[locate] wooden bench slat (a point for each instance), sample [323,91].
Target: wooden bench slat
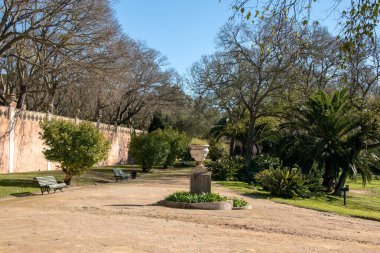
[119,174]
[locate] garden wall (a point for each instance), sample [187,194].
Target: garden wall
[21,146]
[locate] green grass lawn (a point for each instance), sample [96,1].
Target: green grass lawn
[171,172]
[23,184]
[363,202]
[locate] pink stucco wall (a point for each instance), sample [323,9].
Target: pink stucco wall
[4,140]
[28,146]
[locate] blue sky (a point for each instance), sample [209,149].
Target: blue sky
[184,30]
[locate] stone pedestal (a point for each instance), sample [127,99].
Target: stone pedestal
[200,183]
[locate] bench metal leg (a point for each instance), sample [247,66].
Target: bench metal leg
[44,189]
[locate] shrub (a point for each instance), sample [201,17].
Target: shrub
[149,150]
[77,147]
[186,156]
[159,121]
[285,183]
[263,178]
[266,161]
[218,150]
[177,142]
[244,174]
[314,180]
[227,169]
[237,202]
[197,141]
[160,147]
[187,197]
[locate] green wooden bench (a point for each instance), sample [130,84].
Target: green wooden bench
[119,174]
[49,183]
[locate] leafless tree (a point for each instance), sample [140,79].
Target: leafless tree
[253,63]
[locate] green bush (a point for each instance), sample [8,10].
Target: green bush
[160,147]
[77,147]
[186,156]
[178,143]
[265,161]
[197,141]
[149,150]
[263,178]
[260,163]
[217,151]
[187,197]
[159,121]
[237,202]
[284,183]
[227,169]
[236,169]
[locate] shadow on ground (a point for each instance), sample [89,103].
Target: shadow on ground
[132,205]
[101,181]
[23,194]
[19,183]
[257,195]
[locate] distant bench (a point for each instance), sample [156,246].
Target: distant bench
[120,175]
[49,183]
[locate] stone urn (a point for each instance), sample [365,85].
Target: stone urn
[199,153]
[200,179]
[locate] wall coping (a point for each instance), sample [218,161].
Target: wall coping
[40,116]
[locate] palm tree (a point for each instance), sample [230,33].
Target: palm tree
[335,136]
[225,128]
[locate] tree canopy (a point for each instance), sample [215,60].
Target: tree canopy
[357,21]
[76,147]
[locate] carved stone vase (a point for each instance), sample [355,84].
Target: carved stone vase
[200,179]
[199,153]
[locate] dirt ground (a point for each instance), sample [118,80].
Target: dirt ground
[123,217]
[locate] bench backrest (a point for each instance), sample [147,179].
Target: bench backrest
[118,172]
[48,180]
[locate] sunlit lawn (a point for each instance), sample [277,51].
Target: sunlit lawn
[362,201]
[23,184]
[20,184]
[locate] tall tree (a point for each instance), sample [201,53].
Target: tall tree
[252,64]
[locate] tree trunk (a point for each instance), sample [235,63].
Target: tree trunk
[98,110]
[67,179]
[328,178]
[339,186]
[49,98]
[251,129]
[232,146]
[22,97]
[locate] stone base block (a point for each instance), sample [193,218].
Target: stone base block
[200,183]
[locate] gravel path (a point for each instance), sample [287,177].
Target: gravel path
[123,217]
